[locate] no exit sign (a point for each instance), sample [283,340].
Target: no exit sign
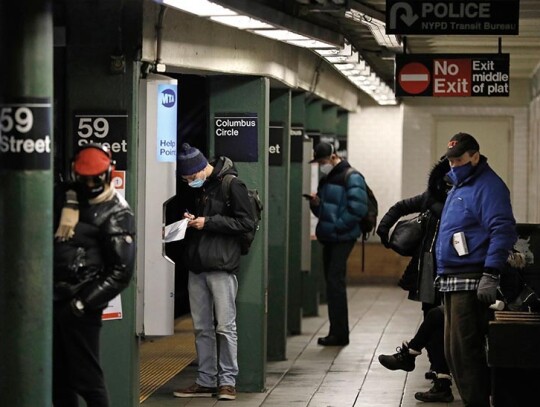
[451,75]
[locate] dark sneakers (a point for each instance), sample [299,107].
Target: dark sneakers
[439,392]
[332,340]
[402,360]
[226,393]
[196,390]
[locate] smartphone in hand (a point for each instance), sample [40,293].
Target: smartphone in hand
[307,196]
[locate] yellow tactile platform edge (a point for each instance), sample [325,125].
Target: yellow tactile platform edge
[163,358]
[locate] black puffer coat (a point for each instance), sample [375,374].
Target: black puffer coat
[97,263]
[420,273]
[216,247]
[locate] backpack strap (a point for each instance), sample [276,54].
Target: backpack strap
[348,173]
[226,187]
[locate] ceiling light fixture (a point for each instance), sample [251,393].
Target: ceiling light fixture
[377,28]
[347,61]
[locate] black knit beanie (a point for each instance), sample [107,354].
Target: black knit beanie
[190,160]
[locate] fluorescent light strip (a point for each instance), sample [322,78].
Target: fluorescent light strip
[241,22]
[202,8]
[352,67]
[364,78]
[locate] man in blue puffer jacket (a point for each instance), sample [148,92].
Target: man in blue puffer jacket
[476,234]
[340,203]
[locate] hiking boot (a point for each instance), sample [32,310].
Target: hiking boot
[430,375]
[196,390]
[439,392]
[226,393]
[402,360]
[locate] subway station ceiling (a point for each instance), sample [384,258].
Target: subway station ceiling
[524,49]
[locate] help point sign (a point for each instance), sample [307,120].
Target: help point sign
[452,75]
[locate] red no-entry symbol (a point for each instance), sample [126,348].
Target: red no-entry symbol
[414,78]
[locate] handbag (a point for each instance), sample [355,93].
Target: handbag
[407,235]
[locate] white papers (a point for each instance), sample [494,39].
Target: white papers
[175,231]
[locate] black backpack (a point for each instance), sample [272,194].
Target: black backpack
[368,222]
[256,211]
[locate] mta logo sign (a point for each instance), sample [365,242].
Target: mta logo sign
[168,98]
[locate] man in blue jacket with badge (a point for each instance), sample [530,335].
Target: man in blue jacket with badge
[476,234]
[340,203]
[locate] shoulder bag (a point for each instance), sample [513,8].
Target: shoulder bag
[407,235]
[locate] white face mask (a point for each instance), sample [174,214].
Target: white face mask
[326,168]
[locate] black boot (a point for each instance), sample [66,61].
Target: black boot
[403,360]
[439,392]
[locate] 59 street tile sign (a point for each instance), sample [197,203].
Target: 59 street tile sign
[452,17]
[449,75]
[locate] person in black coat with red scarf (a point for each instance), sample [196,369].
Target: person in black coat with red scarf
[418,278]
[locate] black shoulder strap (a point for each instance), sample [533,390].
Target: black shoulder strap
[226,186]
[350,171]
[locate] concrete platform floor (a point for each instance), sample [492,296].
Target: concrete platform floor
[380,316]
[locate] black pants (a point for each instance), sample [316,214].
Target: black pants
[76,367]
[430,335]
[335,257]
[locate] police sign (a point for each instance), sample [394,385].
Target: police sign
[455,17]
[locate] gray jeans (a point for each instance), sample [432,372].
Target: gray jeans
[212,297]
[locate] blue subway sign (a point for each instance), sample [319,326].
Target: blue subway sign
[236,136]
[166,123]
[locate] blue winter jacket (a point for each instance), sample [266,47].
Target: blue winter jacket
[479,206]
[341,206]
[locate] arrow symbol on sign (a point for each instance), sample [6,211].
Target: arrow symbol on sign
[408,18]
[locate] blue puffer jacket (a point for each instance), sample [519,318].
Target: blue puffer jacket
[479,206]
[341,206]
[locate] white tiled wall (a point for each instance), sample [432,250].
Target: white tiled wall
[375,149]
[392,146]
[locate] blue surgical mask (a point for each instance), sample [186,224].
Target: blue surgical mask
[326,168]
[460,173]
[196,183]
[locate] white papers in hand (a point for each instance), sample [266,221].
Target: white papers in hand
[175,231]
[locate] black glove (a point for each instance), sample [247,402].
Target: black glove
[487,289]
[382,232]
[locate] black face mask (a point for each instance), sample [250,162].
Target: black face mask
[89,192]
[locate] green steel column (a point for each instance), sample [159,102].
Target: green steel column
[238,94]
[311,285]
[278,223]
[26,89]
[294,294]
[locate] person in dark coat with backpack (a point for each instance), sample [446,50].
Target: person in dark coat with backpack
[339,204]
[418,279]
[212,256]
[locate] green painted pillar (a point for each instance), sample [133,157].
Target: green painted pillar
[294,294]
[92,86]
[239,98]
[26,98]
[278,222]
[311,283]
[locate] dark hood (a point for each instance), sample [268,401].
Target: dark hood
[223,166]
[437,182]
